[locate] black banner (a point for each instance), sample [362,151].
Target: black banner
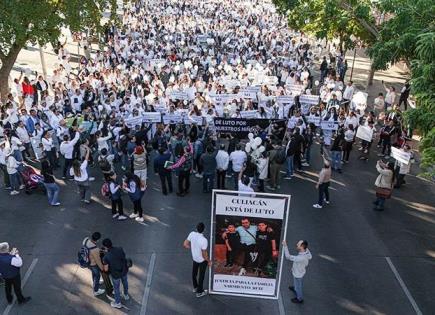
[241,127]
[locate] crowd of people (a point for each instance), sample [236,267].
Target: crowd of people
[148,101]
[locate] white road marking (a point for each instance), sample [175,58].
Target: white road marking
[23,283]
[281,305]
[146,293]
[403,285]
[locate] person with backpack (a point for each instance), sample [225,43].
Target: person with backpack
[184,166]
[89,257]
[105,163]
[113,191]
[135,190]
[277,157]
[116,264]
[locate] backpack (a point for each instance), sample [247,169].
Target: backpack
[104,165]
[280,156]
[105,189]
[83,254]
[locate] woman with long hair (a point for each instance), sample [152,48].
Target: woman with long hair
[50,183]
[81,177]
[132,185]
[384,184]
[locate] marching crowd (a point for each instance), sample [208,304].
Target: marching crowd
[148,101]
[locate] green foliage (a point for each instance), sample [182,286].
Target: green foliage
[397,37]
[329,18]
[41,21]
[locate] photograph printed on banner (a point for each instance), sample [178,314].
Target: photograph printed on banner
[246,246]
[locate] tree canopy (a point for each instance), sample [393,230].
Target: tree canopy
[24,21]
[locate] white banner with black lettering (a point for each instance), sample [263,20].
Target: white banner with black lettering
[247,230]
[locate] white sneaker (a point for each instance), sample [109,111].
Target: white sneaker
[133,215]
[122,218]
[126,297]
[139,219]
[86,201]
[305,164]
[327,202]
[14,192]
[115,305]
[22,186]
[317,206]
[203,293]
[91,179]
[194,290]
[198,175]
[115,215]
[56,204]
[242,272]
[99,292]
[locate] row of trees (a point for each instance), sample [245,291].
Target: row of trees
[392,31]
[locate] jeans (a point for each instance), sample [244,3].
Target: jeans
[52,193]
[117,287]
[15,181]
[166,180]
[297,282]
[95,277]
[207,182]
[66,166]
[221,178]
[323,192]
[236,179]
[85,193]
[290,166]
[198,274]
[5,175]
[336,160]
[380,201]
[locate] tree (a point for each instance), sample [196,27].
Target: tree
[331,19]
[27,21]
[409,36]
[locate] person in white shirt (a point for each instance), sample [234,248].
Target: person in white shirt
[222,161]
[3,152]
[67,149]
[300,263]
[390,97]
[238,159]
[402,168]
[80,173]
[49,149]
[198,244]
[10,264]
[14,177]
[348,94]
[24,137]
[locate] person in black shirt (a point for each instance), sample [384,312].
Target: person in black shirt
[266,246]
[50,183]
[115,263]
[299,141]
[232,242]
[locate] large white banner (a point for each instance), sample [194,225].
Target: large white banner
[400,155]
[247,230]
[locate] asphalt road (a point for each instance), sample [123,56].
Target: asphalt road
[351,245]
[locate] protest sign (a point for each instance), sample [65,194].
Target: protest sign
[222,98]
[37,147]
[152,117]
[285,99]
[249,94]
[133,121]
[309,99]
[400,155]
[295,89]
[240,127]
[328,125]
[249,113]
[172,118]
[314,120]
[179,95]
[265,216]
[365,133]
[199,120]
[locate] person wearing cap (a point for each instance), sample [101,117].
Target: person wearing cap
[10,264]
[323,184]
